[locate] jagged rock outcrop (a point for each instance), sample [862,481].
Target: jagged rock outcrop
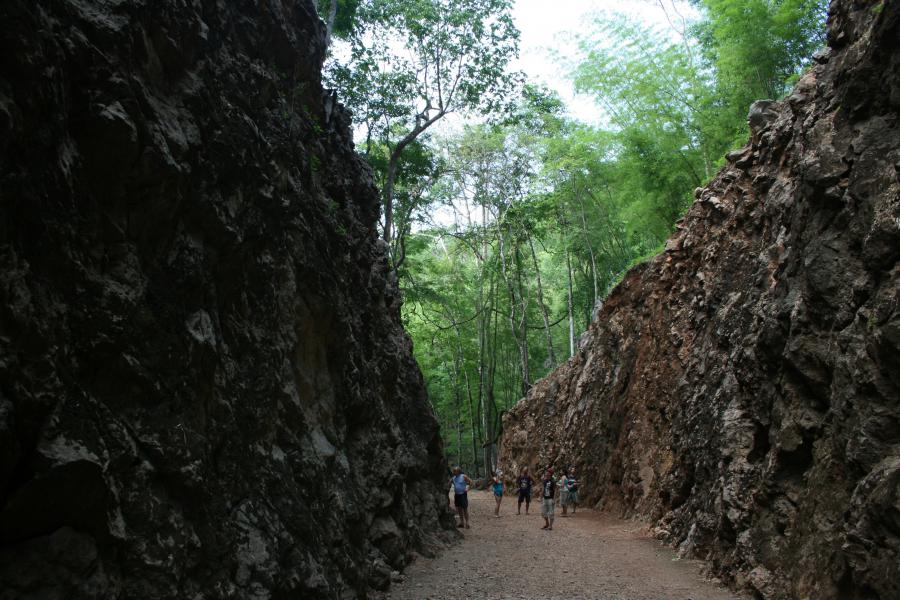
[741,391]
[205,391]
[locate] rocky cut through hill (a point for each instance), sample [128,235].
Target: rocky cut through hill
[205,391]
[741,391]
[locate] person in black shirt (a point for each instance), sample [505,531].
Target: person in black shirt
[524,482]
[548,491]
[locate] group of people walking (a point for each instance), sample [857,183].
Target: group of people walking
[567,485]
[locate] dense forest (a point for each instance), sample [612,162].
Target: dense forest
[506,233]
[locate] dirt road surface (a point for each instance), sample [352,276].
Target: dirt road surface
[591,556]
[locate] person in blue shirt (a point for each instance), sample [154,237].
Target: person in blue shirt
[461,483]
[498,488]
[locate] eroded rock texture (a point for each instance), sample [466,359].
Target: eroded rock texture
[742,390]
[205,391]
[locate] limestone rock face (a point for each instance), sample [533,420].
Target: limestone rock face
[205,391]
[741,391]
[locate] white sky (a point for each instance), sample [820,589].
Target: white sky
[547,26]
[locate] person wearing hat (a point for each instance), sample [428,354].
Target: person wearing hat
[548,491]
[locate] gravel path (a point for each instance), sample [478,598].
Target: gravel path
[589,556]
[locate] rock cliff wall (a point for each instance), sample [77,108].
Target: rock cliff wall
[741,391]
[205,391]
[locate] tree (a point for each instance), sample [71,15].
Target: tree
[413,62]
[658,100]
[756,48]
[339,17]
[547,214]
[416,172]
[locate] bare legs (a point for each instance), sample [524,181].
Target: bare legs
[527,501]
[463,513]
[548,522]
[547,513]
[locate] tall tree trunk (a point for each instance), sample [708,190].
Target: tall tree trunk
[473,420]
[461,366]
[423,122]
[523,325]
[513,312]
[487,446]
[490,397]
[329,23]
[584,271]
[483,322]
[485,382]
[389,195]
[587,242]
[540,292]
[479,419]
[571,307]
[465,373]
[459,430]
[457,401]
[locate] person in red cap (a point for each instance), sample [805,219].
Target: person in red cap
[548,491]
